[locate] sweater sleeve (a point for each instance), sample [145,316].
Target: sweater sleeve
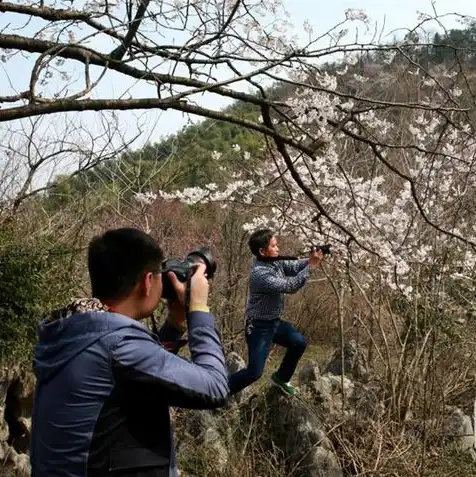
[198,384]
[267,280]
[293,267]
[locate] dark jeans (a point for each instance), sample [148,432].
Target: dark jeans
[260,334]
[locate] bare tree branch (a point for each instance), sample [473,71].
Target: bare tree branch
[120,51]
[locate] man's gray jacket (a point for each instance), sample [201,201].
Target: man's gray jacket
[104,387]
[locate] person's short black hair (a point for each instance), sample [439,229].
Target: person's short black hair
[118,259]
[260,239]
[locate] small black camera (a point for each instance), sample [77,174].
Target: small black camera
[183,269]
[325,249]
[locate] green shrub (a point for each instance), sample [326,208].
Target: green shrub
[32,282]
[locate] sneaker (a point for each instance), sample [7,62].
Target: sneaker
[285,387]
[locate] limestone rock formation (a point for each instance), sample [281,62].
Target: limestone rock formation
[458,428]
[16,391]
[300,434]
[355,362]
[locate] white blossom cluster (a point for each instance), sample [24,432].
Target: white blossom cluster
[393,217]
[145,198]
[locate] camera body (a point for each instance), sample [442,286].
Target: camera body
[325,249]
[183,269]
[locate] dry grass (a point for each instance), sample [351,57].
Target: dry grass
[383,447]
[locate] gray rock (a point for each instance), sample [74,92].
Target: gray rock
[16,390]
[207,432]
[355,362]
[292,425]
[235,363]
[309,374]
[317,387]
[458,428]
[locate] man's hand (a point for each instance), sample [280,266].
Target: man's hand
[198,296]
[177,315]
[315,258]
[199,287]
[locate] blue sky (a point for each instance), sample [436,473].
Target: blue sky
[387,15]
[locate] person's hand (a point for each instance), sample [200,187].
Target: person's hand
[198,295]
[179,288]
[315,258]
[199,287]
[176,315]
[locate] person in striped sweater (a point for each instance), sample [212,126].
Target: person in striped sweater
[271,278]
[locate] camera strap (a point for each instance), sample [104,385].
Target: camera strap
[276,259]
[187,292]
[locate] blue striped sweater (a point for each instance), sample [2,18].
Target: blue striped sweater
[269,282]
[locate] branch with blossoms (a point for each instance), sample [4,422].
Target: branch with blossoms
[395,203]
[224,39]
[374,151]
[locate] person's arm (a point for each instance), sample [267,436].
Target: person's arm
[266,280]
[170,337]
[174,328]
[293,267]
[198,384]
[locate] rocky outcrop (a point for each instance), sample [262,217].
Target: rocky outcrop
[277,423]
[296,430]
[300,434]
[16,392]
[354,363]
[458,428]
[206,437]
[339,397]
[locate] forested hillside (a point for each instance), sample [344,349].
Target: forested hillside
[197,154]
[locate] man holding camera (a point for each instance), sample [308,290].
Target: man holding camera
[105,383]
[271,278]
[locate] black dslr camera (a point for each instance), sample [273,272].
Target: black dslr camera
[325,249]
[183,269]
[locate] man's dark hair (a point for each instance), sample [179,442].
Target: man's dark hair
[118,259]
[259,239]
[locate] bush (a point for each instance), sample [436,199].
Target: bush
[31,283]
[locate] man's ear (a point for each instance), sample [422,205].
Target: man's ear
[146,284]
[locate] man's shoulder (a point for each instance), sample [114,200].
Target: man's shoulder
[121,324]
[110,327]
[107,321]
[263,272]
[265,267]
[259,267]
